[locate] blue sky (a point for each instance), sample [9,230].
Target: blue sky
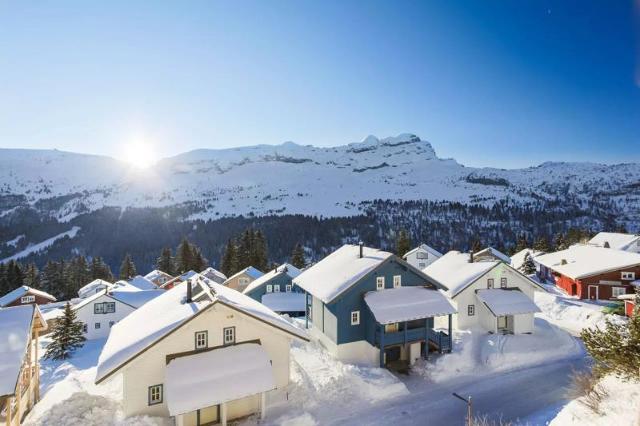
[497,83]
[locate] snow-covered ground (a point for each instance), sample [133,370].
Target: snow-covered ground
[43,245]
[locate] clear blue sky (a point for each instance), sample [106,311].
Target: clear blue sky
[487,82]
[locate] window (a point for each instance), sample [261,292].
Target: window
[503,282]
[288,288]
[202,339]
[380,283]
[397,281]
[269,288]
[27,299]
[229,335]
[628,275]
[422,255]
[355,318]
[422,265]
[471,310]
[104,308]
[617,291]
[243,282]
[490,283]
[97,326]
[85,328]
[155,394]
[111,323]
[276,288]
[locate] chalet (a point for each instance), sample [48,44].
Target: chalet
[95,286]
[617,241]
[517,260]
[591,272]
[492,254]
[102,311]
[214,275]
[177,280]
[422,256]
[200,353]
[489,294]
[25,295]
[276,290]
[369,306]
[240,280]
[20,327]
[158,277]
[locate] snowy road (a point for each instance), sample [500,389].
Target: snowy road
[532,395]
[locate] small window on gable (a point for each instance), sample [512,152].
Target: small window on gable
[422,255]
[471,310]
[397,281]
[276,288]
[201,339]
[503,282]
[229,335]
[288,288]
[379,283]
[490,283]
[355,318]
[155,394]
[269,288]
[628,275]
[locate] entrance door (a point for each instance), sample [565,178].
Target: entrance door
[392,354]
[574,289]
[593,292]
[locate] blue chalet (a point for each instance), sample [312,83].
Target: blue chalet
[276,290]
[369,306]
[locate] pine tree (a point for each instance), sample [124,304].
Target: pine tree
[245,249]
[403,243]
[66,337]
[98,270]
[560,243]
[165,262]
[127,268]
[184,257]
[229,261]
[32,276]
[542,244]
[259,255]
[198,263]
[616,349]
[528,267]
[297,257]
[476,246]
[521,243]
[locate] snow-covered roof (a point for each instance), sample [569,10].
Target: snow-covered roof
[21,291]
[517,260]
[217,376]
[167,312]
[135,298]
[249,270]
[490,251]
[456,272]
[334,274]
[506,302]
[631,297]
[15,333]
[284,301]
[425,248]
[616,240]
[142,283]
[91,288]
[285,268]
[214,274]
[585,260]
[180,278]
[156,273]
[407,304]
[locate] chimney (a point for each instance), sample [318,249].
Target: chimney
[563,262]
[361,244]
[189,292]
[471,256]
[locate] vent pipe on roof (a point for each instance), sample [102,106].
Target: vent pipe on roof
[189,292]
[471,256]
[606,244]
[361,244]
[563,262]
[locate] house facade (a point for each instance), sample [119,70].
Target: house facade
[199,323]
[25,295]
[590,272]
[357,325]
[276,290]
[489,294]
[422,256]
[241,280]
[20,328]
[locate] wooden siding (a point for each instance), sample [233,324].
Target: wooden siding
[580,287]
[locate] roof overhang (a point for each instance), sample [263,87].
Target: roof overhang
[407,304]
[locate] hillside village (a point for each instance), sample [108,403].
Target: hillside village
[362,336]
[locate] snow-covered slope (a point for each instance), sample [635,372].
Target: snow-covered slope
[291,178]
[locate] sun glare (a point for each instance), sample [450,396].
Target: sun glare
[139,154]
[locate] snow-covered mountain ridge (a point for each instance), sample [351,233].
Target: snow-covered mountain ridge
[292,178]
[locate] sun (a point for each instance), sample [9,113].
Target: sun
[139,154]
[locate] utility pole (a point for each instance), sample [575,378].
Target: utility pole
[468,402]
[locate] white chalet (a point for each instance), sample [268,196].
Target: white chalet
[101,311]
[490,294]
[95,286]
[616,240]
[201,353]
[422,256]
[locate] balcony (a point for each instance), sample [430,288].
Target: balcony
[439,338]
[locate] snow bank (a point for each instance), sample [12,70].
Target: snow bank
[621,407]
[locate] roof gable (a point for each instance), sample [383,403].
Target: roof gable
[21,291]
[423,247]
[284,269]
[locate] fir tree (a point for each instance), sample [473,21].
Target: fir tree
[403,243]
[127,268]
[198,263]
[542,244]
[184,257]
[229,261]
[66,337]
[476,246]
[100,270]
[521,243]
[560,243]
[297,257]
[259,255]
[528,267]
[165,262]
[32,276]
[245,249]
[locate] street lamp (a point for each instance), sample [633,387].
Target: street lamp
[468,402]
